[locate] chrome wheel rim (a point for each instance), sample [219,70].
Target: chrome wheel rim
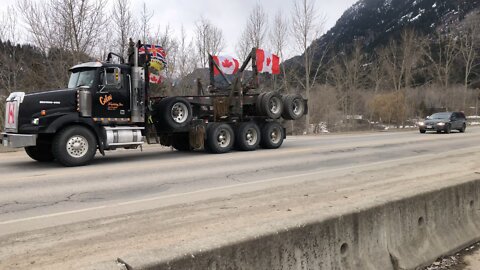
[224,138]
[275,135]
[251,136]
[179,112]
[297,107]
[274,105]
[77,146]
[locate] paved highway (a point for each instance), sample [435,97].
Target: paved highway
[132,202]
[35,195]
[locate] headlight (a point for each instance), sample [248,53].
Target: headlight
[421,123]
[440,124]
[35,121]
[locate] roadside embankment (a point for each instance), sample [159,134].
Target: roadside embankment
[401,234]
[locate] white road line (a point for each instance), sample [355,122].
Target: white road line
[472,149]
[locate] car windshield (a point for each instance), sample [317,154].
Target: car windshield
[440,116]
[81,78]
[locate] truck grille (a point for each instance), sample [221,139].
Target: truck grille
[12,110]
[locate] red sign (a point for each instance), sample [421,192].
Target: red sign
[11,113]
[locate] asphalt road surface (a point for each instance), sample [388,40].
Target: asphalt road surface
[35,195]
[132,201]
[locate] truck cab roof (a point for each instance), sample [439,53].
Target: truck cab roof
[97,65]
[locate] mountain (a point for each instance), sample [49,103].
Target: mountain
[375,22]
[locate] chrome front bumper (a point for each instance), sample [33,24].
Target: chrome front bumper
[18,140]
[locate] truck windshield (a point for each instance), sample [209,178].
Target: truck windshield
[82,78]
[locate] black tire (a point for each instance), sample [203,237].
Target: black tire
[181,142]
[464,127]
[272,105]
[74,146]
[247,136]
[175,112]
[439,131]
[258,105]
[220,138]
[423,131]
[293,107]
[272,135]
[448,129]
[40,152]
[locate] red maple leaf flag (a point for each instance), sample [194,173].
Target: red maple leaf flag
[268,62]
[227,64]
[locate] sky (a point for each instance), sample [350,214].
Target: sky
[229,15]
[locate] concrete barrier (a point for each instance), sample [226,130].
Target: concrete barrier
[400,234]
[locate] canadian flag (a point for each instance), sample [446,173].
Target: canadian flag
[227,64]
[268,62]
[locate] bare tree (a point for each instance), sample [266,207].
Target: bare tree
[145,17]
[74,25]
[186,55]
[468,49]
[10,65]
[208,40]
[257,26]
[441,55]
[124,25]
[244,46]
[279,40]
[305,29]
[399,58]
[347,74]
[10,61]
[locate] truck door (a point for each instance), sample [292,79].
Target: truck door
[111,102]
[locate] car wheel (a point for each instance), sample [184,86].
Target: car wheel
[423,131]
[464,127]
[74,146]
[448,129]
[439,131]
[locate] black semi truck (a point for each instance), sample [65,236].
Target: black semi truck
[107,105]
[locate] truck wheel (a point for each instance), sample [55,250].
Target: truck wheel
[40,153]
[272,105]
[258,105]
[74,146]
[247,136]
[293,107]
[220,138]
[181,142]
[272,135]
[176,112]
